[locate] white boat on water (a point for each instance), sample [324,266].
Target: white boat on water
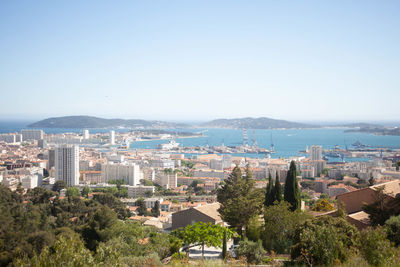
[170,145]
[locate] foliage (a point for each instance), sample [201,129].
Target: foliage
[239,200]
[381,209]
[85,191]
[377,249]
[142,210]
[393,229]
[204,234]
[58,185]
[270,192]
[72,191]
[280,224]
[292,192]
[155,211]
[278,194]
[253,251]
[323,205]
[324,241]
[224,246]
[309,184]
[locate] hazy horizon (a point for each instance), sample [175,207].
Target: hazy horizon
[191,61]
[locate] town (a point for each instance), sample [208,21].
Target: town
[163,188]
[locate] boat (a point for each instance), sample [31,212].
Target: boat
[170,145]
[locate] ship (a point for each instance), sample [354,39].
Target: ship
[168,146]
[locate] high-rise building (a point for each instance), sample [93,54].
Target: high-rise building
[85,134]
[112,137]
[52,158]
[67,164]
[316,152]
[32,135]
[129,172]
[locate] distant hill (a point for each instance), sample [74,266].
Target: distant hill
[358,125]
[256,123]
[94,122]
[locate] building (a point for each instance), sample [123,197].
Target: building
[52,158]
[140,190]
[316,152]
[163,163]
[30,181]
[32,135]
[67,164]
[129,172]
[42,143]
[112,138]
[206,213]
[86,134]
[166,180]
[8,138]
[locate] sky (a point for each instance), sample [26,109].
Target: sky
[200,60]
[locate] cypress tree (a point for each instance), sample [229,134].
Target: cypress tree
[292,192]
[224,246]
[270,194]
[278,189]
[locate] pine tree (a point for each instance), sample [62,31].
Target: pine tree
[278,189]
[155,211]
[270,193]
[292,192]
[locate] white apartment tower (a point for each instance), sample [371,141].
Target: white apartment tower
[32,135]
[67,164]
[316,152]
[85,134]
[129,172]
[112,137]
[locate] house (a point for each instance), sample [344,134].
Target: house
[353,202]
[206,213]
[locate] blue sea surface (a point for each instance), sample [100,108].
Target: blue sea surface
[287,142]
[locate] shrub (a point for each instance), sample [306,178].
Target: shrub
[253,251]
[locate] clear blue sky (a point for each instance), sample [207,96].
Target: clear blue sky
[198,60]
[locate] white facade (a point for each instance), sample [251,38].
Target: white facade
[67,164]
[166,180]
[130,173]
[8,138]
[139,190]
[32,135]
[29,182]
[316,152]
[112,138]
[85,134]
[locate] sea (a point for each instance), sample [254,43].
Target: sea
[287,142]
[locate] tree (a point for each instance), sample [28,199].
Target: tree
[86,191]
[204,234]
[371,181]
[376,248]
[270,192]
[239,200]
[155,211]
[280,224]
[393,229]
[381,209]
[72,191]
[278,189]
[142,210]
[224,246]
[323,205]
[292,192]
[58,185]
[324,241]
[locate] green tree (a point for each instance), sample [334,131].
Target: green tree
[155,211]
[72,192]
[292,192]
[58,185]
[393,229]
[224,246]
[376,248]
[280,224]
[204,234]
[85,191]
[323,205]
[381,209]
[323,241]
[67,251]
[142,210]
[239,200]
[270,192]
[278,189]
[371,181]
